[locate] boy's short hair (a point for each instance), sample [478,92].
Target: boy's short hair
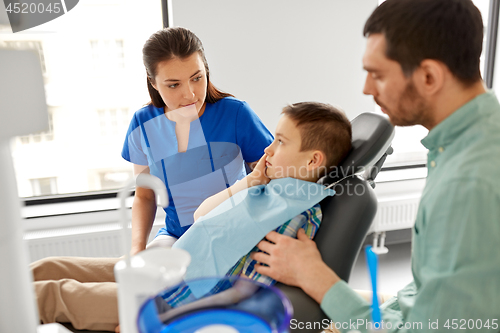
[322,127]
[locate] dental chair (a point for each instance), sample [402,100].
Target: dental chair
[348,215]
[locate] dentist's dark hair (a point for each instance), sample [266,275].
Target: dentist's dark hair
[450,31]
[170,43]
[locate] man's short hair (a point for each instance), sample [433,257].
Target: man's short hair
[322,127]
[450,31]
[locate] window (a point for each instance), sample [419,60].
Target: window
[44,186]
[113,179]
[28,45]
[113,121]
[41,136]
[107,54]
[94,81]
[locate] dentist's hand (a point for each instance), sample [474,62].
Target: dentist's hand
[296,262]
[258,175]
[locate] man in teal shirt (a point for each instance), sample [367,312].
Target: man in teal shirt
[422,63]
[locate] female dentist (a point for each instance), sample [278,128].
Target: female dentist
[191,135]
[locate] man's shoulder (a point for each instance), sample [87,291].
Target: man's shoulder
[477,152]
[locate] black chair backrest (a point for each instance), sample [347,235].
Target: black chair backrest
[372,135]
[348,215]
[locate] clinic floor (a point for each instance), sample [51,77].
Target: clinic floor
[394,271]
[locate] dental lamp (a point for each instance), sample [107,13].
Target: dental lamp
[23,110]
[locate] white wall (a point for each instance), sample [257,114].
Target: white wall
[274,52]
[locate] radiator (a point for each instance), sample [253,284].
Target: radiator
[89,244]
[104,239]
[393,214]
[99,240]
[396,213]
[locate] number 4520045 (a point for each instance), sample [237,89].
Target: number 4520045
[471,324]
[25,8]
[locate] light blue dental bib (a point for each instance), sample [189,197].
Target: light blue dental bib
[219,239]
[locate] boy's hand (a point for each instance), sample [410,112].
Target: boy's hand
[258,175]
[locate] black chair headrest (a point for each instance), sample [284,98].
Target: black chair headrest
[372,136]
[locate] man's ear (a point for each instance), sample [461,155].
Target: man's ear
[429,77]
[316,160]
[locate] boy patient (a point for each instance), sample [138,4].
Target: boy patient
[311,139]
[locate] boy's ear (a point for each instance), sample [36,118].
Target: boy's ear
[316,160]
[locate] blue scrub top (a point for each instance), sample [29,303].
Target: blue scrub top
[228,134]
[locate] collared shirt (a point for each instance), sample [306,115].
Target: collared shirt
[456,236]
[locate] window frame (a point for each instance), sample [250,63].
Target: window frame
[166,6]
